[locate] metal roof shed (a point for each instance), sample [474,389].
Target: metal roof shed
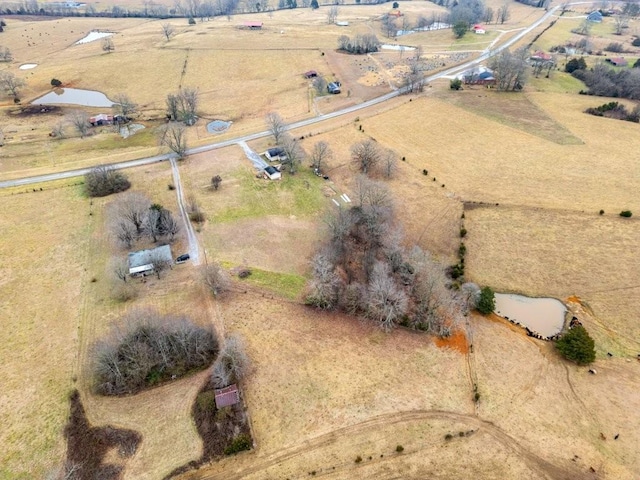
[227,396]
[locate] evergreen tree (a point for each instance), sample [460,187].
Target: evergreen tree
[487,301]
[576,345]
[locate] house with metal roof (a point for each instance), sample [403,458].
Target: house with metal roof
[141,262]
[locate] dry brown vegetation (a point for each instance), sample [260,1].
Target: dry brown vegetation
[325,389]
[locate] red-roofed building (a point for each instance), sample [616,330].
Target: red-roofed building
[618,61]
[227,396]
[252,25]
[540,55]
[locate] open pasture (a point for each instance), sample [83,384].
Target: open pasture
[43,244]
[510,165]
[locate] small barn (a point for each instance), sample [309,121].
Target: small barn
[617,61]
[141,262]
[541,56]
[272,173]
[479,30]
[227,396]
[275,154]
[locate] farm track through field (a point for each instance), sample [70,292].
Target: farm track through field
[536,463]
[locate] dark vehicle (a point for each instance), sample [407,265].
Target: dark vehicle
[183,258]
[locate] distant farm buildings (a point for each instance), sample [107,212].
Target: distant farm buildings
[252,25]
[595,17]
[479,75]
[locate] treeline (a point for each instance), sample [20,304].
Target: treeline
[147,348]
[359,44]
[617,111]
[363,269]
[604,81]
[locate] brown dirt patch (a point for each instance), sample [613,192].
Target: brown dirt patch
[88,446]
[456,341]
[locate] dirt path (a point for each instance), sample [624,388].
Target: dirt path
[536,463]
[194,249]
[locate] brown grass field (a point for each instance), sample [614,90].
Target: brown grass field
[529,171]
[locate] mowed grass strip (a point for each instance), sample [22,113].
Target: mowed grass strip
[43,238]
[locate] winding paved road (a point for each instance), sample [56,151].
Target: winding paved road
[303,123]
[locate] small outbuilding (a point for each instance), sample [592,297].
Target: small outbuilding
[595,17]
[141,262]
[618,61]
[275,154]
[272,173]
[479,30]
[227,396]
[333,87]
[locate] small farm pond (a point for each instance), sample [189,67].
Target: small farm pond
[74,96]
[404,48]
[542,315]
[218,126]
[92,37]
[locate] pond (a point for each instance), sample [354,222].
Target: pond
[92,37]
[540,315]
[218,126]
[27,66]
[74,96]
[404,48]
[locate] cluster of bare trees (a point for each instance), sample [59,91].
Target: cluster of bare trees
[132,217]
[467,11]
[363,269]
[607,82]
[359,44]
[104,180]
[146,348]
[183,106]
[232,363]
[510,69]
[413,80]
[369,158]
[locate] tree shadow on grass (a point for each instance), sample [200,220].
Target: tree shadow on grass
[88,446]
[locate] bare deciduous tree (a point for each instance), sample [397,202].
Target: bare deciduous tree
[389,163]
[107,45]
[293,151]
[58,130]
[216,180]
[510,69]
[189,99]
[275,125]
[168,31]
[320,85]
[620,22]
[503,13]
[120,268]
[365,155]
[131,208]
[5,54]
[80,121]
[320,154]
[10,83]
[232,364]
[174,137]
[160,264]
[323,289]
[332,14]
[386,302]
[124,106]
[215,278]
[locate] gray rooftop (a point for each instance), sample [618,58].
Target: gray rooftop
[145,257]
